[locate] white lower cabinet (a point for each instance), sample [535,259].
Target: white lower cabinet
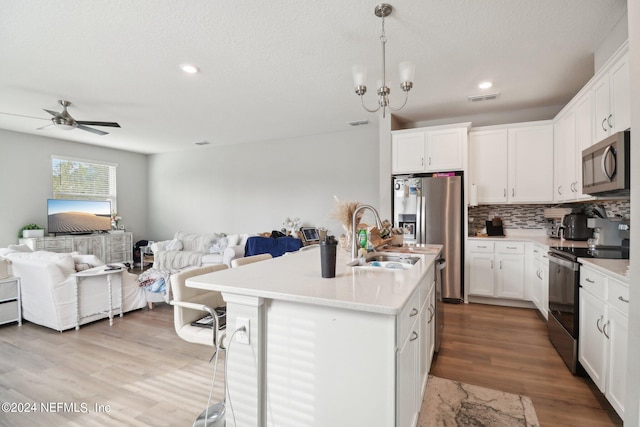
[416,339]
[603,334]
[539,278]
[497,269]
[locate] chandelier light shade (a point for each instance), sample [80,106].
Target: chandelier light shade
[406,70]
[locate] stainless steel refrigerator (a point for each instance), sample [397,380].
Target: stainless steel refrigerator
[429,208]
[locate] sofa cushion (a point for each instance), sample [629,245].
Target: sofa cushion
[233,239]
[20,248]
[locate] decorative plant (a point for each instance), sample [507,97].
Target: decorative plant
[115,218]
[344,213]
[292,224]
[29,227]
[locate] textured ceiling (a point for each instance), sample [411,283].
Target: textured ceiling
[281,69]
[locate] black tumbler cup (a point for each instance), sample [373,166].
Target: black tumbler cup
[328,248]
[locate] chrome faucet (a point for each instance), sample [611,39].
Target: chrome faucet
[354,238]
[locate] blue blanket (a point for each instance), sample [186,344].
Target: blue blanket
[268,245]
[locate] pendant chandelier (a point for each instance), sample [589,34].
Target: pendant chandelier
[407,71]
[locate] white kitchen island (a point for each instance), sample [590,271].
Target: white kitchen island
[353,350]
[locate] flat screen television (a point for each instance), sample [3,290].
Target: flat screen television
[78,216]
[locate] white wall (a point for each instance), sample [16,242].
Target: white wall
[253,187]
[25,181]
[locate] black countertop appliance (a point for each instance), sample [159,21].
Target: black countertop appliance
[575,227]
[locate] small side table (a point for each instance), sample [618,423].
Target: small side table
[146,255]
[10,303]
[98,272]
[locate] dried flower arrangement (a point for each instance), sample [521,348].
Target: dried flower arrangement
[344,213]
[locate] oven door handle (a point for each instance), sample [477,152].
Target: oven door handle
[574,266]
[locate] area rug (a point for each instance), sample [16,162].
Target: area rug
[450,403]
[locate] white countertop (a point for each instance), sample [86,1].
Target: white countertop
[616,268]
[297,277]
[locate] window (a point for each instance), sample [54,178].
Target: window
[79,179]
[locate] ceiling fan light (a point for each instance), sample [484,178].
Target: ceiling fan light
[60,123]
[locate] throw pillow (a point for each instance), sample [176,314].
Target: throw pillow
[82,266]
[233,239]
[218,246]
[173,245]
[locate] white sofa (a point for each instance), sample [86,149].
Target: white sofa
[48,288]
[195,250]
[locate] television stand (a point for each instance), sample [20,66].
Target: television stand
[109,248]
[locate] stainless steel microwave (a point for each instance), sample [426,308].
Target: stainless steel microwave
[606,166]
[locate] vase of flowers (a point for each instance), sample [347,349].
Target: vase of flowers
[115,220]
[293,225]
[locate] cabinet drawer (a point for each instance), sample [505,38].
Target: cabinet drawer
[408,316]
[9,312]
[477,246]
[619,296]
[510,247]
[594,281]
[118,247]
[56,244]
[8,290]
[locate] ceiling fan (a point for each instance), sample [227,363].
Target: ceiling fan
[63,120]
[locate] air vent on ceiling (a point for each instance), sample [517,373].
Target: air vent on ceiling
[202,143]
[487,97]
[359,123]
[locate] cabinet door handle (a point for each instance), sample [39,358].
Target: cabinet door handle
[504,192]
[604,329]
[483,247]
[622,299]
[414,336]
[598,323]
[589,280]
[422,161]
[602,125]
[414,311]
[429,160]
[500,264]
[511,247]
[492,264]
[609,120]
[560,190]
[513,192]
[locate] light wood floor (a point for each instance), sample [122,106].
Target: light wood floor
[507,349]
[150,377]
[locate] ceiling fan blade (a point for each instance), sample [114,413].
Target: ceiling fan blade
[53,113]
[45,126]
[22,115]
[86,122]
[92,130]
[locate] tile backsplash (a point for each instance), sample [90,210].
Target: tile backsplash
[531,217]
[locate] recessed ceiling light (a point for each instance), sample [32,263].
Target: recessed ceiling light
[189,68]
[485,85]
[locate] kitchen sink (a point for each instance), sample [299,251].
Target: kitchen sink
[386,261]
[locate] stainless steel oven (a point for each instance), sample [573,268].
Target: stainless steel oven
[564,283]
[564,296]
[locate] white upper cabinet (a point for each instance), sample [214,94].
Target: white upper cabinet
[407,152]
[434,149]
[611,93]
[488,164]
[513,163]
